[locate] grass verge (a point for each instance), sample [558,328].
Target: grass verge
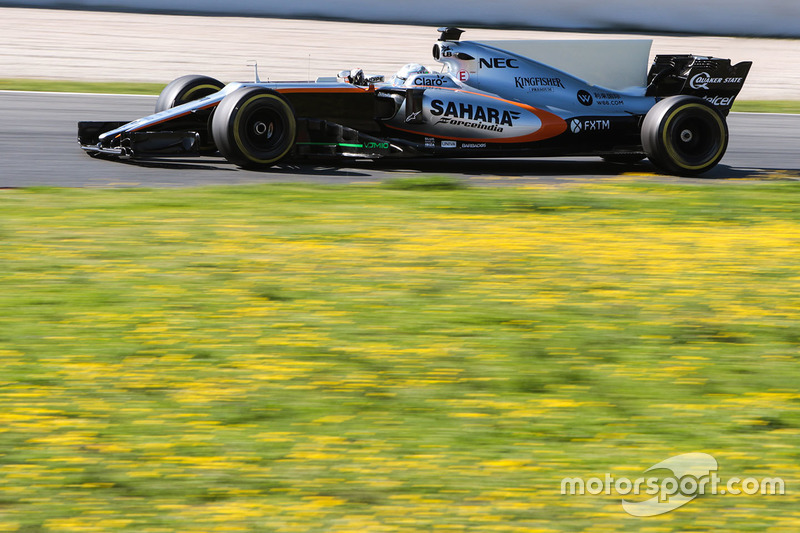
[767,106]
[745,106]
[81,86]
[301,358]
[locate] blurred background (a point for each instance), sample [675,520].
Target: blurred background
[723,17]
[141,45]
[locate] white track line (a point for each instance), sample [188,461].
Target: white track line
[80,94]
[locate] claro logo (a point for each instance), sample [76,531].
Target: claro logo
[429,82]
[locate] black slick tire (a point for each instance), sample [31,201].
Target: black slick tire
[186,89]
[684,135]
[254,127]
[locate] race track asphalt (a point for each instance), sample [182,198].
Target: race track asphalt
[38,147]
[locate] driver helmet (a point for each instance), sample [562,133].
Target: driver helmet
[407,71]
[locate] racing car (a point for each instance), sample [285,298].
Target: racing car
[518,98]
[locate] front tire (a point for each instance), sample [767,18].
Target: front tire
[186,89]
[684,135]
[254,127]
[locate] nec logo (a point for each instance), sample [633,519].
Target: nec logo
[498,62]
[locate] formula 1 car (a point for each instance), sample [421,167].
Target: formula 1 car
[491,99]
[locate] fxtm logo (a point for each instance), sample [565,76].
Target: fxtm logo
[577,125]
[498,62]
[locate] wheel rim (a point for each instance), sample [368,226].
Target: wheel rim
[263,130]
[694,137]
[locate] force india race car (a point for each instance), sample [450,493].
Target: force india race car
[492,99]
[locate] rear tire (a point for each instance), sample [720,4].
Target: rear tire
[254,127]
[684,135]
[186,89]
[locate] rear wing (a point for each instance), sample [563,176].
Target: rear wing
[712,79]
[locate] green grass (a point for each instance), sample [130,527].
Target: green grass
[425,183]
[746,106]
[319,358]
[81,86]
[767,106]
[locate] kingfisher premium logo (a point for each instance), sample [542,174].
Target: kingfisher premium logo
[536,83]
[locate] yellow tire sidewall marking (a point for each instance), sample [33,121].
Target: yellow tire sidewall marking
[193,90]
[671,151]
[237,138]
